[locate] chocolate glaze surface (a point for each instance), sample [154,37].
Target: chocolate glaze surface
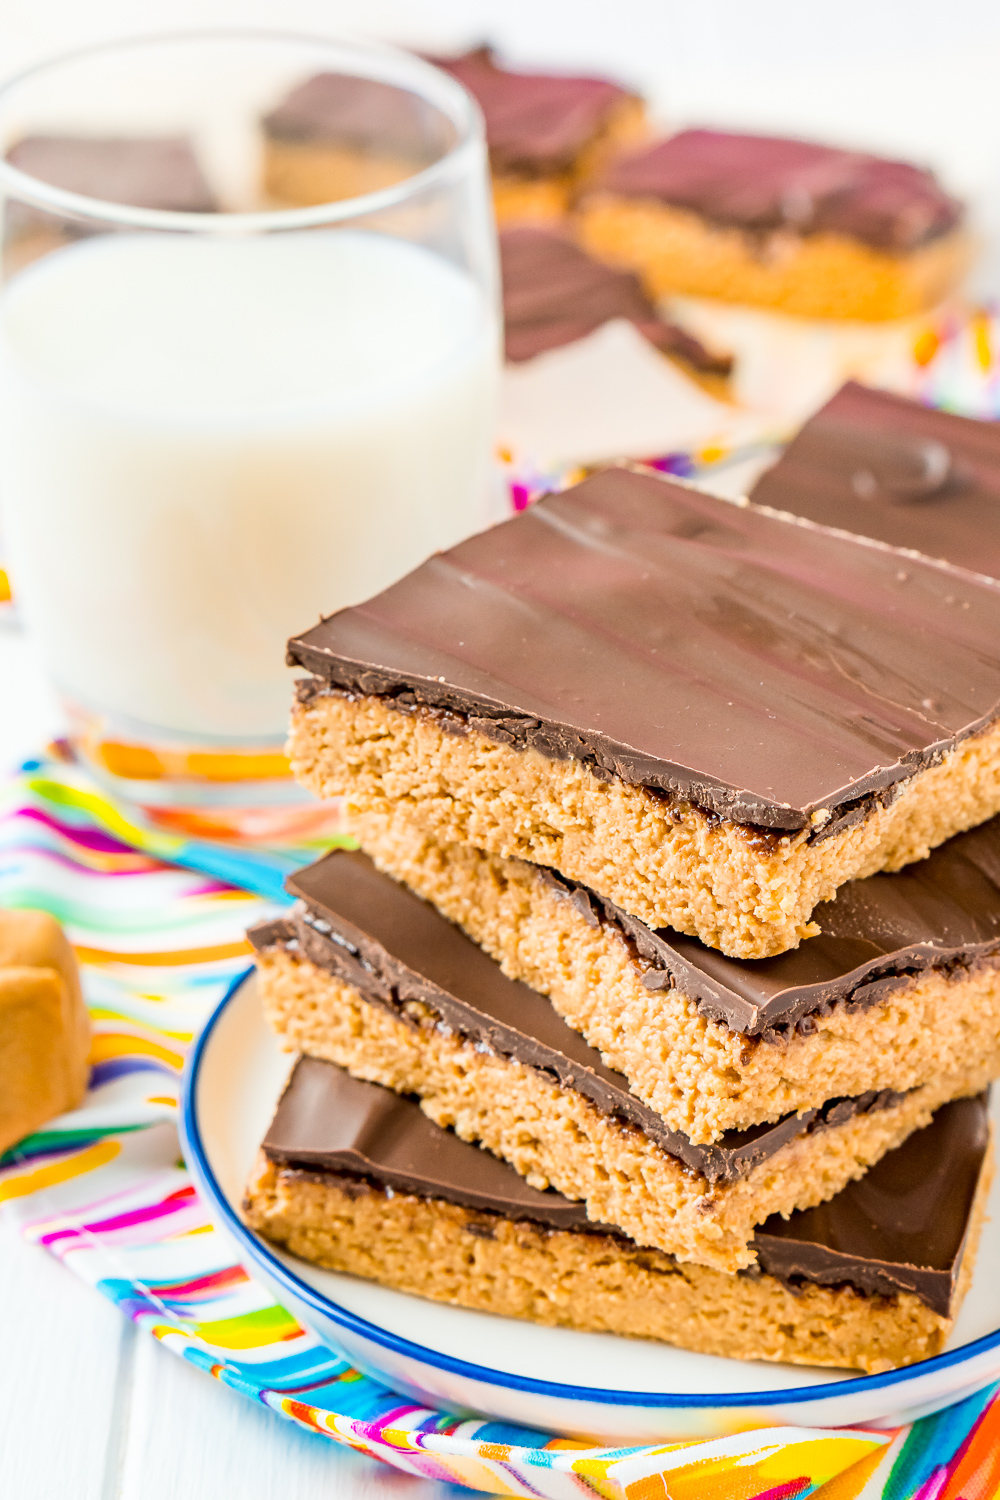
[876,936]
[330,1121]
[536,123]
[882,466]
[902,1227]
[150,172]
[772,671]
[394,947]
[766,183]
[343,109]
[555,293]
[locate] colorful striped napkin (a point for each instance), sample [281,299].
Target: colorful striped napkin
[104,1190]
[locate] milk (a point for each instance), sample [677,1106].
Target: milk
[205,443]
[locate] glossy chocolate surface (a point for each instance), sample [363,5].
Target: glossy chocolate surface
[902,1227]
[150,172]
[555,293]
[330,1121]
[876,935]
[882,466]
[769,670]
[766,183]
[393,947]
[536,123]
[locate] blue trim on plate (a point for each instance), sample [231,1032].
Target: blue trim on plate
[198,1162]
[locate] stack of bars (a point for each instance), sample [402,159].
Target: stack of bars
[617,1019]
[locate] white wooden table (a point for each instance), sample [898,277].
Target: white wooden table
[92,1409]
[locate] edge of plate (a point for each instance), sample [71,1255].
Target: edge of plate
[198,1163]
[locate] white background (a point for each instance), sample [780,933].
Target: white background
[88,1409]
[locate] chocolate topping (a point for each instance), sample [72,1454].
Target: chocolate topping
[555,293]
[885,467]
[536,123]
[876,936]
[397,949]
[328,1120]
[150,172]
[363,113]
[766,183]
[767,669]
[902,1227]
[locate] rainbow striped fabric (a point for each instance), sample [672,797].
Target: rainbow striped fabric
[103,1189]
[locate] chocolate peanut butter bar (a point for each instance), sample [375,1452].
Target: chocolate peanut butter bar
[338,136]
[707,714]
[371,977]
[143,171]
[547,133]
[804,228]
[555,293]
[901,985]
[350,1176]
[882,466]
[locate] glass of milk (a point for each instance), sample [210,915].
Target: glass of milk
[218,423]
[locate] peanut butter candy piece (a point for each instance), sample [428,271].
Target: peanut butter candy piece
[44,1026]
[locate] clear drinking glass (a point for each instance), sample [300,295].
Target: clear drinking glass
[260,387]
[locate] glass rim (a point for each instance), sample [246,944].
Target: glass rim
[443,91]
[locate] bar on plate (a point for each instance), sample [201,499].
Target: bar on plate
[355,1179]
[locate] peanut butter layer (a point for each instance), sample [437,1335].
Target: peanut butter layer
[668,863]
[590,1282]
[710,715]
[819,276]
[904,981]
[554,1135]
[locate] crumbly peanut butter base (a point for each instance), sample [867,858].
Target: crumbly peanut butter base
[587,1281]
[666,862]
[555,1137]
[823,275]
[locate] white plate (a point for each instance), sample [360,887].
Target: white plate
[595,1385]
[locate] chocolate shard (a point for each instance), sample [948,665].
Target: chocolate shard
[536,123]
[767,183]
[396,948]
[876,936]
[881,466]
[902,1227]
[767,669]
[555,293]
[144,172]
